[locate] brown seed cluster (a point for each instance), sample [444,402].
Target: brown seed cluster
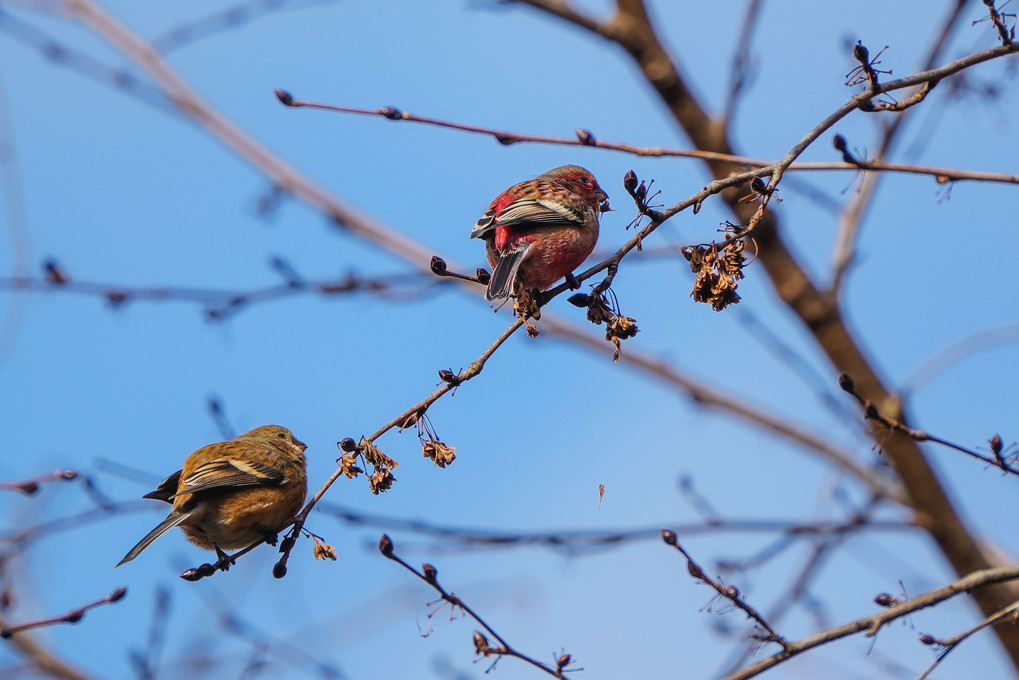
[381,478]
[526,306]
[431,447]
[717,269]
[441,454]
[347,463]
[323,551]
[481,645]
[600,310]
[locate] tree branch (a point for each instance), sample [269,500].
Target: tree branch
[870,625]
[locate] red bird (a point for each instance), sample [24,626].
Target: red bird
[539,231]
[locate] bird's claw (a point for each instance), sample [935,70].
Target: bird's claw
[224,561]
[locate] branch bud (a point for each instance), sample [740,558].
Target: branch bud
[430,572]
[630,181]
[860,53]
[586,138]
[579,300]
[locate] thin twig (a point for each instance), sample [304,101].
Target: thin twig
[823,548]
[429,574]
[740,67]
[766,632]
[957,350]
[30,487]
[949,645]
[506,138]
[870,625]
[219,305]
[225,20]
[852,217]
[71,617]
[871,412]
[587,541]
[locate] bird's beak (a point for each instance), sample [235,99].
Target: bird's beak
[301,445]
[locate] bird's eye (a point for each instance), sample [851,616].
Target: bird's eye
[282,435]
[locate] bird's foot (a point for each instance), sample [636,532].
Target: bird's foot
[572,281]
[224,561]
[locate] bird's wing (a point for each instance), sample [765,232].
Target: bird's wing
[526,211]
[229,472]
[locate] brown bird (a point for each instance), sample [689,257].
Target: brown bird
[232,494]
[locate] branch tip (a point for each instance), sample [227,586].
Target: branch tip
[386,546]
[437,265]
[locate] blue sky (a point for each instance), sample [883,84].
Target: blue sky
[120,192]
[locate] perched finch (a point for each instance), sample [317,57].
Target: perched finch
[232,494]
[539,231]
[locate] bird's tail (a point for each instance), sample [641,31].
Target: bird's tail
[172,520]
[505,274]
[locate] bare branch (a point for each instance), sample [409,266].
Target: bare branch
[587,541]
[30,487]
[871,412]
[506,138]
[225,20]
[741,65]
[42,658]
[731,593]
[951,644]
[218,305]
[852,217]
[71,617]
[429,574]
[870,625]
